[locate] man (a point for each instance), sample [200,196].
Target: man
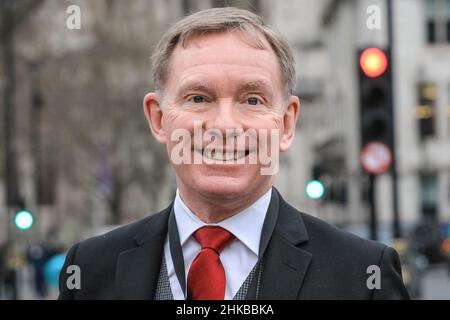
[224,108]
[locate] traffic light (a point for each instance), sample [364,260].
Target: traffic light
[315,188]
[376,121]
[23,220]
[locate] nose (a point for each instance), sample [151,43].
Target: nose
[225,117]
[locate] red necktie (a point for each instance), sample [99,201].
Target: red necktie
[206,277]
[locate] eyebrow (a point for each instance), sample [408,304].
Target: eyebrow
[196,86]
[255,85]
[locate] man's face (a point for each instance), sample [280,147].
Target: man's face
[220,84]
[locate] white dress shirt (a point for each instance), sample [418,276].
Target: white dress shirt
[238,258]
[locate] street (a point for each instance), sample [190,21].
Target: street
[436,283]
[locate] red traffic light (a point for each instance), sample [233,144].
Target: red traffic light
[373,62]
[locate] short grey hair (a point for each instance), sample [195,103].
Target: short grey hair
[219,20]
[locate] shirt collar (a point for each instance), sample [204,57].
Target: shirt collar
[246,225]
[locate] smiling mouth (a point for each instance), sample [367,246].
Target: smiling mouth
[217,155]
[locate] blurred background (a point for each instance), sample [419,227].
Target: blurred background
[371,154]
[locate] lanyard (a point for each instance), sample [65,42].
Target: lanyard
[176,252]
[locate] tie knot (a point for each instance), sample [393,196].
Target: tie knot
[216,238]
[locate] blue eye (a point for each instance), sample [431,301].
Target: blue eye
[198,99]
[253,101]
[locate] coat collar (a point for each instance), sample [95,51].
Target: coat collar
[285,264]
[137,269]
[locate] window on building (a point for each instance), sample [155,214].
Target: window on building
[429,193]
[437,21]
[425,109]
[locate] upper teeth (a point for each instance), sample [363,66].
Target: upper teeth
[223,156]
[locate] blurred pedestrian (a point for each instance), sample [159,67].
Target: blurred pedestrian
[8,267]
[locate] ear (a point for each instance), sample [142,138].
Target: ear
[154,115]
[289,123]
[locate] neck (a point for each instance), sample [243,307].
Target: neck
[215,208]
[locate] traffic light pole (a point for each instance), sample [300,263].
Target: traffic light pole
[7,39]
[373,222]
[395,202]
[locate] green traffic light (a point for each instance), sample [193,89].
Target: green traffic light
[315,189]
[23,220]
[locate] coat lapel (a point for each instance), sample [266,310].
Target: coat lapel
[284,264]
[138,268]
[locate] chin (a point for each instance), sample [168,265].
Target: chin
[222,186]
[217,183]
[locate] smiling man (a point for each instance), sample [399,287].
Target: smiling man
[224,109]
